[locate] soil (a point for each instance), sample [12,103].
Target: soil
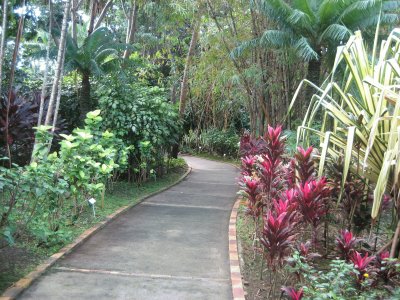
[15,262]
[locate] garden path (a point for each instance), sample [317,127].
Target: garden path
[171,246]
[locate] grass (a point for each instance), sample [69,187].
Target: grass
[20,259]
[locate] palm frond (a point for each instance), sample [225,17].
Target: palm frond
[305,50]
[335,33]
[276,38]
[243,47]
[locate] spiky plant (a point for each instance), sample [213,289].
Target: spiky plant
[361,115]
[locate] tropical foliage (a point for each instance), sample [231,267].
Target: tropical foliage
[361,116]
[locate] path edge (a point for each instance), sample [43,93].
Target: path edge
[21,285]
[236,275]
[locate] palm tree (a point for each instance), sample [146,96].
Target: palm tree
[314,28]
[98,54]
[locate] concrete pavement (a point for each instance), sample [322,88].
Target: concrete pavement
[172,246]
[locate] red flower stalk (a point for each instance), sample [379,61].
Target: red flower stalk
[292,293]
[346,243]
[304,164]
[277,236]
[248,165]
[361,263]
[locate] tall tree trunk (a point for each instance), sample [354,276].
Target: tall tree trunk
[46,66]
[74,9]
[85,104]
[189,58]
[103,13]
[185,79]
[12,75]
[60,58]
[130,35]
[93,8]
[3,39]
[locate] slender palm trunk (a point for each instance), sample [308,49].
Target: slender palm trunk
[60,59]
[130,36]
[85,104]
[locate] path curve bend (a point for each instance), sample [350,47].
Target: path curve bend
[173,245]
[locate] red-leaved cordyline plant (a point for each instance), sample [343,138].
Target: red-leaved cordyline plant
[312,203]
[386,269]
[345,243]
[251,191]
[248,165]
[275,143]
[290,174]
[361,263]
[251,146]
[287,202]
[277,236]
[304,165]
[270,173]
[305,251]
[292,293]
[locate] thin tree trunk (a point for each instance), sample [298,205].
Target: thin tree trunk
[46,66]
[189,58]
[130,36]
[60,58]
[92,16]
[74,9]
[103,13]
[3,40]
[55,118]
[12,75]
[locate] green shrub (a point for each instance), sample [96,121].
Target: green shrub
[54,188]
[141,116]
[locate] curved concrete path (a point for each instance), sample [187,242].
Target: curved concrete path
[172,246]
